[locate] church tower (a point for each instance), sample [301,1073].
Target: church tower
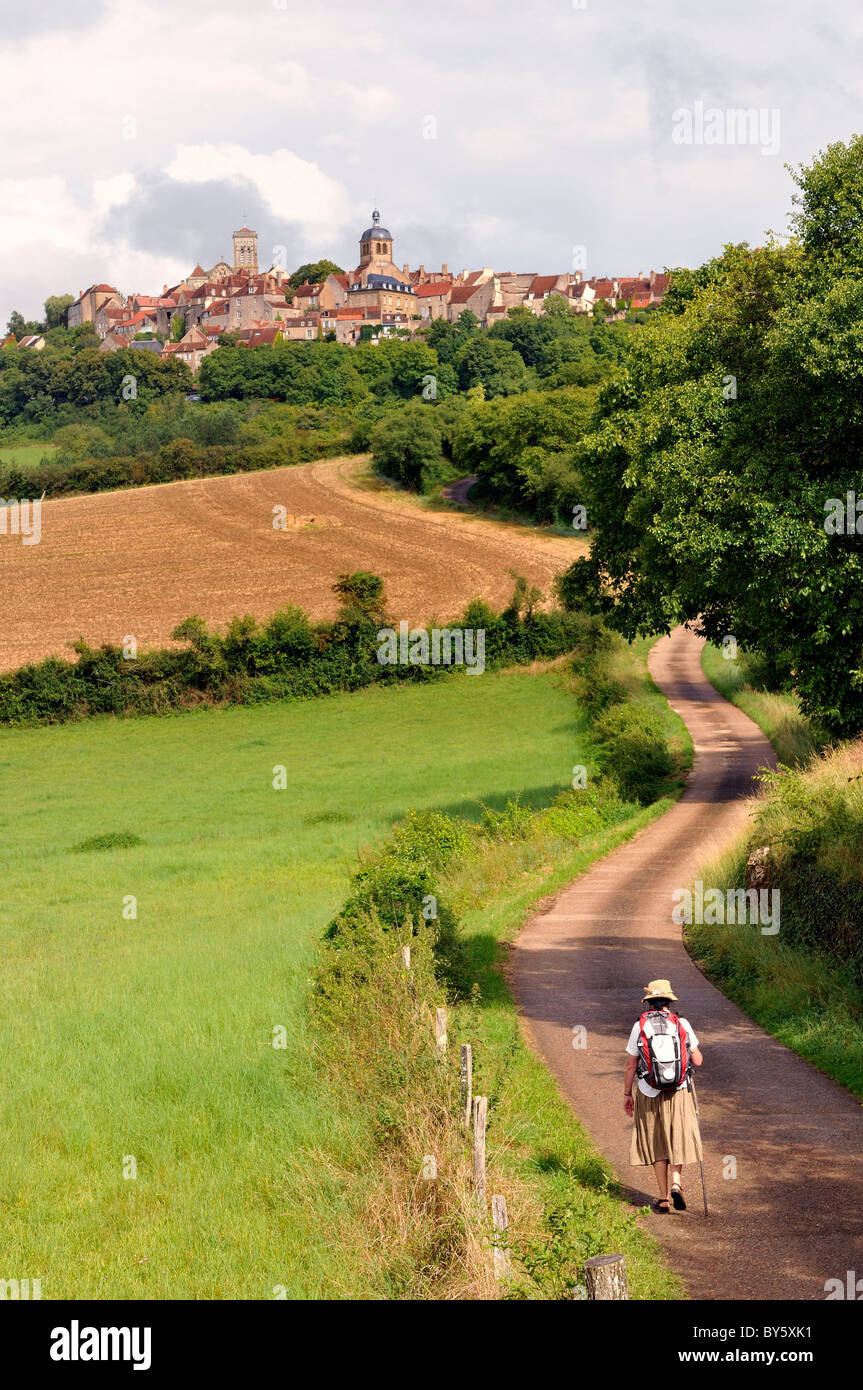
[246,251]
[376,249]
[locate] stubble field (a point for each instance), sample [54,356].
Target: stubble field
[136,562]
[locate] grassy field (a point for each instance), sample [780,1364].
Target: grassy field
[150,1039]
[563,1201]
[25,455]
[794,737]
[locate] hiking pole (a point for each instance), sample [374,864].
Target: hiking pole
[695,1103]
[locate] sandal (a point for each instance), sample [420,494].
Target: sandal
[677,1197]
[661,1206]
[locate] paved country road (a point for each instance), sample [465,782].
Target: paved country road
[793,1217]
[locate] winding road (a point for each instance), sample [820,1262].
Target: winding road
[792,1217]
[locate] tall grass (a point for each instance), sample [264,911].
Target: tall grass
[430,1239]
[796,739]
[804,985]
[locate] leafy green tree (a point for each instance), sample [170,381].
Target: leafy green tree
[721,458]
[22,327]
[314,272]
[493,363]
[56,308]
[407,446]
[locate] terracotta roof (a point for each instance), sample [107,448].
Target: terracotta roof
[542,284]
[199,270]
[604,289]
[307,291]
[433,287]
[462,293]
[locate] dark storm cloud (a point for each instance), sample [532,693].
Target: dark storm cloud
[194,221]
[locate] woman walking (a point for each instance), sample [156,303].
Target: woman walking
[661,1051]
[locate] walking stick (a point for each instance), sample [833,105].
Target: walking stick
[695,1102]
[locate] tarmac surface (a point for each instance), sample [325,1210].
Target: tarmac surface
[792,1217]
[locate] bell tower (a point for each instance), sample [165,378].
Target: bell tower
[376,246]
[246,251]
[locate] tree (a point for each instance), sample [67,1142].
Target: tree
[407,446]
[721,458]
[21,327]
[178,327]
[56,308]
[314,272]
[494,363]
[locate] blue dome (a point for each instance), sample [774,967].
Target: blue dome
[375,233]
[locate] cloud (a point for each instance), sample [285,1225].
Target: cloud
[20,21]
[553,129]
[292,188]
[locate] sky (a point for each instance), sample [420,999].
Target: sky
[542,136]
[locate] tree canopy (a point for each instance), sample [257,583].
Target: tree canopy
[718,455]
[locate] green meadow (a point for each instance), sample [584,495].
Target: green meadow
[144,1044]
[25,455]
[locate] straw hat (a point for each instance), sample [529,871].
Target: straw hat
[659,989]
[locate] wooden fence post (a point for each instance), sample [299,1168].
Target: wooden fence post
[466,1082]
[406,957]
[480,1118]
[440,1029]
[501,1253]
[605,1276]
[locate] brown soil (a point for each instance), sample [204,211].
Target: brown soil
[792,1217]
[136,562]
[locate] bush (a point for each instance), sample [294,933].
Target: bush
[637,749]
[408,444]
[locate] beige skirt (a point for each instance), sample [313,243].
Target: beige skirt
[666,1127]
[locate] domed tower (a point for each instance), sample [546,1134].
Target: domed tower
[376,248]
[246,250]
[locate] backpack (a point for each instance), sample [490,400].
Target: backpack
[663,1056]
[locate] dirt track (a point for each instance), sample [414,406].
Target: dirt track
[793,1217]
[139,560]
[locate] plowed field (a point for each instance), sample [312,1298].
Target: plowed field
[136,562]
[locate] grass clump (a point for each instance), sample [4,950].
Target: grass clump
[804,985]
[115,839]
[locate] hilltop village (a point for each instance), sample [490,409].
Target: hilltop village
[377,299]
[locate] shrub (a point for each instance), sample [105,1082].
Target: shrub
[408,443]
[636,748]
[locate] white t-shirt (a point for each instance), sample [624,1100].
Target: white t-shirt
[632,1049]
